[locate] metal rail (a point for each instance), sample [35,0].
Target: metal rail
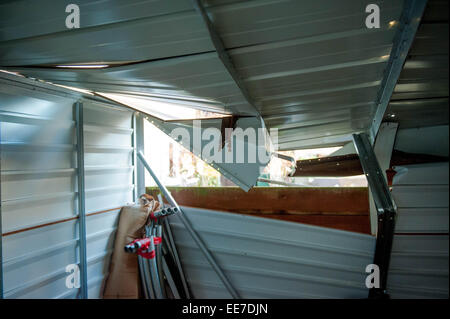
[386,210]
[408,24]
[1,229]
[191,230]
[81,198]
[224,56]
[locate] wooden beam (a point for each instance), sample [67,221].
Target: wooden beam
[349,165]
[298,200]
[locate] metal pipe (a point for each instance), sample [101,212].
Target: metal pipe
[143,281]
[271,181]
[147,269]
[159,260]
[174,252]
[154,271]
[152,262]
[191,230]
[170,281]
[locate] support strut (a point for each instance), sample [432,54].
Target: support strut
[386,210]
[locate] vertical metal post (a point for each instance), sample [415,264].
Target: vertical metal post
[383,146]
[1,229]
[81,198]
[139,167]
[133,158]
[386,210]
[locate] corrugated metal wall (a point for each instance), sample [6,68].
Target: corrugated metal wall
[39,192]
[266,258]
[108,138]
[419,261]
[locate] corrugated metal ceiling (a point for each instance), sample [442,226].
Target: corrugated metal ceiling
[312,68]
[420,97]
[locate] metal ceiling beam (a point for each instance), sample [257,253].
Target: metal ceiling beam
[408,24]
[223,55]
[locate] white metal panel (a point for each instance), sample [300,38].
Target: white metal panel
[101,231]
[108,157]
[35,261]
[108,181]
[432,140]
[35,33]
[39,194]
[419,259]
[266,258]
[243,172]
[33,153]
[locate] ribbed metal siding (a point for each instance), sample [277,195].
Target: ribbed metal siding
[273,259]
[109,182]
[419,262]
[39,187]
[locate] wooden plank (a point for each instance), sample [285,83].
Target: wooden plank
[273,199]
[349,165]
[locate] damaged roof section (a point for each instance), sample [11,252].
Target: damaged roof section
[279,50]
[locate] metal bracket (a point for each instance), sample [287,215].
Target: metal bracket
[386,209]
[81,198]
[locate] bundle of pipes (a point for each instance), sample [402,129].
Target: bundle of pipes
[159,264]
[195,236]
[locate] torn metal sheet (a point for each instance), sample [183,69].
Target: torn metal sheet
[239,152]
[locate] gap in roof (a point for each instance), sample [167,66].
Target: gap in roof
[164,110]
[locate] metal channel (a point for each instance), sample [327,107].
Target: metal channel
[139,147]
[408,24]
[386,210]
[191,231]
[1,229]
[81,198]
[134,157]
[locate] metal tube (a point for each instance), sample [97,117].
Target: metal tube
[191,230]
[159,260]
[271,181]
[174,252]
[147,277]
[147,271]
[81,198]
[170,281]
[143,281]
[154,271]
